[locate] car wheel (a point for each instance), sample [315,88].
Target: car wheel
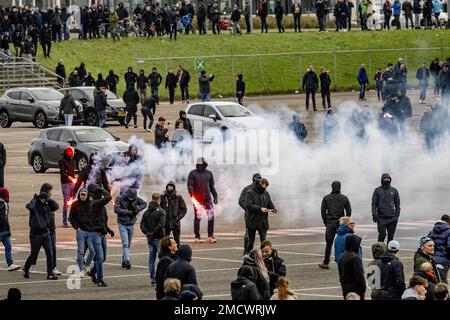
[38,163]
[5,121]
[82,162]
[40,120]
[91,118]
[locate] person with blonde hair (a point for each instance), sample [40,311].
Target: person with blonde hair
[283,292]
[254,259]
[172,288]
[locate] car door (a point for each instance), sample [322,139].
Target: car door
[65,138]
[27,108]
[51,154]
[195,115]
[13,105]
[207,121]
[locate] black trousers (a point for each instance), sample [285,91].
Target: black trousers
[113,89]
[36,242]
[2,176]
[387,21]
[171,94]
[330,233]
[184,92]
[201,26]
[147,115]
[320,20]
[251,237]
[263,24]
[247,23]
[297,22]
[46,46]
[56,33]
[131,114]
[173,31]
[176,233]
[311,92]
[326,99]
[388,226]
[280,25]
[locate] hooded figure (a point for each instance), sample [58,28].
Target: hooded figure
[351,271]
[186,122]
[190,292]
[441,237]
[392,277]
[244,287]
[67,172]
[181,268]
[261,283]
[255,179]
[47,188]
[131,99]
[200,186]
[298,128]
[385,208]
[343,232]
[175,208]
[377,250]
[92,173]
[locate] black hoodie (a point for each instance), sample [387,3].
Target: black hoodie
[98,216]
[153,222]
[186,122]
[174,206]
[47,187]
[255,199]
[261,283]
[39,221]
[351,271]
[181,268]
[127,206]
[334,204]
[79,215]
[244,288]
[200,184]
[165,259]
[392,277]
[385,201]
[66,168]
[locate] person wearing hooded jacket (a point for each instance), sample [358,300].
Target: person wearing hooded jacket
[181,268]
[351,271]
[200,186]
[346,228]
[334,206]
[133,158]
[39,223]
[67,173]
[175,207]
[5,230]
[441,237]
[261,283]
[92,173]
[298,128]
[258,204]
[167,255]
[148,110]
[153,226]
[275,264]
[127,206]
[385,208]
[186,122]
[131,99]
[244,287]
[255,179]
[392,277]
[310,83]
[377,250]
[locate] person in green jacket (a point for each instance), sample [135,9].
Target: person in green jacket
[113,19]
[425,254]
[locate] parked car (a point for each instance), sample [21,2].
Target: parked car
[37,105]
[221,114]
[85,95]
[47,149]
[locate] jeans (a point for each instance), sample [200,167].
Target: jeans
[251,237]
[155,92]
[82,240]
[198,216]
[66,189]
[6,53]
[423,91]
[330,233]
[436,85]
[388,225]
[53,242]
[68,119]
[36,242]
[205,96]
[380,90]
[184,92]
[97,244]
[126,234]
[153,247]
[66,31]
[6,240]
[311,92]
[101,118]
[362,91]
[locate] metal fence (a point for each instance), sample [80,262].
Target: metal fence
[283,72]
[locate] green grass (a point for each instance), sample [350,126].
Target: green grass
[264,75]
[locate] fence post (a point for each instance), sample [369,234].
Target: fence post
[370,65]
[300,68]
[335,71]
[261,72]
[442,49]
[232,75]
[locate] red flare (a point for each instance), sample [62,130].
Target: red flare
[69,203]
[73,180]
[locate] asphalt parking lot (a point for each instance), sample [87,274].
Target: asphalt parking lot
[301,244]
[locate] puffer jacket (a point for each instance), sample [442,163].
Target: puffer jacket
[441,237]
[127,206]
[153,222]
[339,243]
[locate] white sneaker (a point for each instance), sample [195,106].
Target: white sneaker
[13,267]
[32,269]
[82,275]
[56,272]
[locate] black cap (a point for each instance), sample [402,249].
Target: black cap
[257,177]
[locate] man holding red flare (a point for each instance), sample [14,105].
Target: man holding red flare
[68,179]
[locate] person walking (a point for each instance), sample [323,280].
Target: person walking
[68,107]
[68,179]
[183,80]
[423,76]
[175,207]
[5,230]
[204,85]
[131,99]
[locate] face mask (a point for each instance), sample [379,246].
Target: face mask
[386,183]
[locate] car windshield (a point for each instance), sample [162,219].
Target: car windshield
[233,111]
[93,135]
[109,94]
[47,95]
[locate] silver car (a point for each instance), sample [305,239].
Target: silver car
[37,105]
[46,150]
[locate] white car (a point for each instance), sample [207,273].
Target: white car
[222,115]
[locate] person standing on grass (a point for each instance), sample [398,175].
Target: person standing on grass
[396,10]
[5,231]
[240,89]
[263,12]
[204,85]
[279,12]
[297,13]
[247,15]
[183,80]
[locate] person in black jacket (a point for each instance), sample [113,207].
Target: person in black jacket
[274,264]
[279,12]
[130,77]
[155,79]
[80,220]
[131,99]
[161,133]
[186,122]
[148,111]
[392,278]
[39,223]
[5,230]
[244,287]
[310,83]
[351,271]
[2,165]
[153,226]
[385,208]
[61,72]
[258,205]
[98,228]
[183,80]
[298,128]
[263,13]
[45,35]
[127,206]
[89,80]
[175,207]
[168,249]
[255,179]
[181,268]
[68,179]
[112,80]
[141,83]
[100,81]
[334,206]
[92,173]
[240,89]
[200,186]
[261,277]
[100,105]
[67,107]
[321,13]
[171,84]
[325,83]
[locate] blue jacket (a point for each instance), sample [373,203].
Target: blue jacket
[339,243]
[396,7]
[441,237]
[362,76]
[437,6]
